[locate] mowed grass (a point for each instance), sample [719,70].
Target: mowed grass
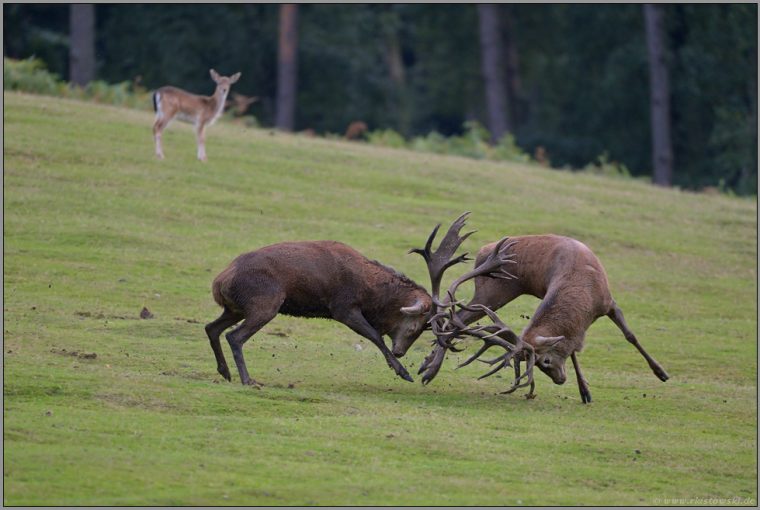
[95,229]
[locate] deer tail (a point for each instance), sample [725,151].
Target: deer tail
[156,101]
[221,284]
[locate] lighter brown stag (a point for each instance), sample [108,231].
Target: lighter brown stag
[572,284]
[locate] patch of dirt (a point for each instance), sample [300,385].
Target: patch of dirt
[199,376]
[134,401]
[90,315]
[76,354]
[191,321]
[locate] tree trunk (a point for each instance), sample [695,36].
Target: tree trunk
[662,151]
[82,47]
[493,72]
[287,67]
[398,97]
[515,114]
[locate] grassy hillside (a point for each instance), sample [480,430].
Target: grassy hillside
[104,408]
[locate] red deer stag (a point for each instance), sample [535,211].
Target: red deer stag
[572,284]
[170,102]
[317,279]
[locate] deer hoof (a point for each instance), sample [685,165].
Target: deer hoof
[404,375]
[661,374]
[224,372]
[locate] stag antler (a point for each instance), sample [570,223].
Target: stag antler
[446,324]
[437,263]
[517,350]
[440,260]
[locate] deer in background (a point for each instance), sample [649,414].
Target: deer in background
[170,102]
[572,284]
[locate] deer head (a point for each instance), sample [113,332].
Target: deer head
[551,357]
[411,324]
[223,83]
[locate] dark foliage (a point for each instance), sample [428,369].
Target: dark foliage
[415,68]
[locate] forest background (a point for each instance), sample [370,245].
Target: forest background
[662,92]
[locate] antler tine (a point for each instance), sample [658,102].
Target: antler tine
[501,365]
[432,364]
[425,252]
[443,257]
[482,350]
[503,328]
[452,240]
[435,318]
[492,266]
[529,381]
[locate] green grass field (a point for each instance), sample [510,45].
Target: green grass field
[104,408]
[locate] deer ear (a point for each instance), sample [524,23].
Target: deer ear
[235,77]
[418,308]
[214,75]
[546,342]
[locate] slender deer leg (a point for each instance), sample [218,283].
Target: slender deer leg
[158,128]
[355,320]
[200,133]
[213,330]
[582,382]
[616,315]
[257,316]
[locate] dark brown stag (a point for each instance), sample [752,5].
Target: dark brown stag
[324,279]
[572,284]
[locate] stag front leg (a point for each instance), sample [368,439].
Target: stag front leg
[356,321]
[616,315]
[582,383]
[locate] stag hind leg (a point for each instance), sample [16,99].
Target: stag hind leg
[616,315]
[213,330]
[259,313]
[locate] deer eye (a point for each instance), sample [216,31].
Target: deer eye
[546,362]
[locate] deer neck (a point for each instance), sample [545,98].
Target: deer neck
[217,102]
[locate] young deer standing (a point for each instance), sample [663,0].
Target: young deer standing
[170,102]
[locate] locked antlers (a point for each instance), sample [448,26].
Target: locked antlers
[446,324]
